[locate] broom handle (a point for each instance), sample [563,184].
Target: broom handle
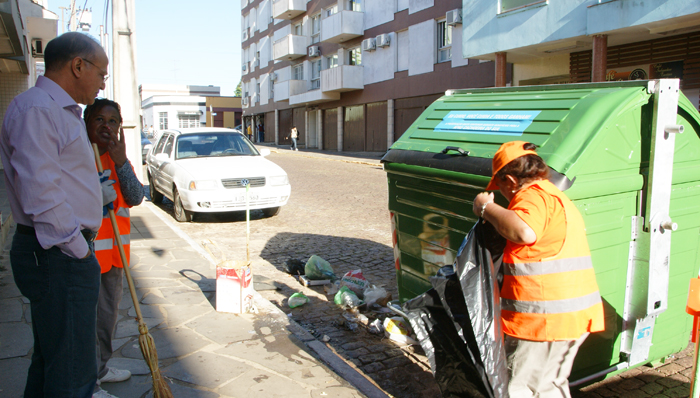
[118,238]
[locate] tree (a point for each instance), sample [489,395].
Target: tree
[239,92]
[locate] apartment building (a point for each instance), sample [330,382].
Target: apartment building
[577,41]
[351,75]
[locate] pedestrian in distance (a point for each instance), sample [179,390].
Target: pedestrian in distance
[250,133]
[294,134]
[56,198]
[261,133]
[103,120]
[550,300]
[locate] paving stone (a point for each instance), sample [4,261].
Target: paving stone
[170,343]
[652,388]
[9,290]
[14,376]
[145,283]
[669,382]
[376,357]
[181,391]
[129,327]
[259,383]
[224,328]
[11,310]
[17,339]
[182,296]
[147,311]
[177,315]
[206,369]
[357,353]
[317,376]
[678,392]
[153,298]
[373,367]
[669,369]
[118,343]
[285,353]
[135,366]
[352,345]
[135,386]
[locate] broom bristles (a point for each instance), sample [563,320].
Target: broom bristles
[148,349]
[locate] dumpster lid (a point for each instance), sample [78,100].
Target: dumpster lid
[560,119]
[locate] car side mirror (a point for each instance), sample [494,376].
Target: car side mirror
[264,152]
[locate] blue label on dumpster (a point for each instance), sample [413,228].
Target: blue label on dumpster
[487,122]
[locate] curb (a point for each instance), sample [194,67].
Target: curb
[307,155]
[325,354]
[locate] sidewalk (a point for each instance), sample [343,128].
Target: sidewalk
[371,158]
[204,353]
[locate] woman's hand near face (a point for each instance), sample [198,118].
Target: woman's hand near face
[117,148]
[507,222]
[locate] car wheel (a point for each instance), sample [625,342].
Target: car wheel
[181,214]
[156,197]
[271,211]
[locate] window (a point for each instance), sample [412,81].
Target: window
[508,5]
[298,72]
[163,120]
[296,29]
[168,146]
[354,5]
[316,28]
[355,56]
[332,61]
[316,74]
[444,41]
[186,121]
[330,10]
[161,144]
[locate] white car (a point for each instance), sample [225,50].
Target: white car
[207,169]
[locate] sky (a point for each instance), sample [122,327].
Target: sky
[178,42]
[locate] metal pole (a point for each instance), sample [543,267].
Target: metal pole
[694,389]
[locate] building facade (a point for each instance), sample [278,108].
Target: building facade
[351,75]
[576,41]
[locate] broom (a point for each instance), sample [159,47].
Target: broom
[148,346]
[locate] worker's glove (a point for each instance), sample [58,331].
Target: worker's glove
[109,194]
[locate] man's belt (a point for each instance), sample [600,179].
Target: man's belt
[88,234]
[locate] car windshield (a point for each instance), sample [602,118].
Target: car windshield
[213,144]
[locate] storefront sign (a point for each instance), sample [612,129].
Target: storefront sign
[666,70]
[635,74]
[487,122]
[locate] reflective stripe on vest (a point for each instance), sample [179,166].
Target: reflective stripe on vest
[106,249]
[556,298]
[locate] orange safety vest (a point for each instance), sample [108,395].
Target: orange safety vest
[555,298]
[106,249]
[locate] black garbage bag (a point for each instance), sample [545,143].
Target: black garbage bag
[461,333]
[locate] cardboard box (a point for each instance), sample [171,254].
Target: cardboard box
[234,287]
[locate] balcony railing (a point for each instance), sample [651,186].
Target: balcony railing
[290,47]
[342,26]
[283,90]
[342,78]
[288,9]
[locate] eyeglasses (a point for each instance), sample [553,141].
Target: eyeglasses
[104,74]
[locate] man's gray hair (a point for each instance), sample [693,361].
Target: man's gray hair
[66,47]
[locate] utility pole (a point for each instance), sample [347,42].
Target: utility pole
[104,41]
[71,20]
[125,87]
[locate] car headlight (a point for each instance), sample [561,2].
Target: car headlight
[278,180]
[202,185]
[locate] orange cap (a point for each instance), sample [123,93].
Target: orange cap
[505,154]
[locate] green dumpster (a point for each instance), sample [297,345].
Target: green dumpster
[629,154]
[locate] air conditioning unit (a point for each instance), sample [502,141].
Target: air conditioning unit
[37,48]
[383,40]
[454,17]
[273,77]
[314,51]
[245,67]
[369,44]
[244,101]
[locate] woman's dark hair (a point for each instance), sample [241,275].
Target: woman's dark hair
[98,105]
[525,168]
[68,46]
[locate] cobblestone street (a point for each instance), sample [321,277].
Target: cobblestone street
[338,211]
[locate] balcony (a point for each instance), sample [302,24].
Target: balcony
[290,47]
[342,26]
[288,9]
[342,78]
[304,96]
[244,34]
[289,87]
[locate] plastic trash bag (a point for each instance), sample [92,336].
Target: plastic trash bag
[355,281]
[346,298]
[458,321]
[297,299]
[397,329]
[294,267]
[317,269]
[378,295]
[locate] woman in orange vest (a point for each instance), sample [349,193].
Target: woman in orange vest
[103,121]
[549,300]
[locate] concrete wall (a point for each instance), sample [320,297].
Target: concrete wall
[419,5]
[618,14]
[378,12]
[265,48]
[402,50]
[457,57]
[151,108]
[380,64]
[264,14]
[265,89]
[422,42]
[401,5]
[541,67]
